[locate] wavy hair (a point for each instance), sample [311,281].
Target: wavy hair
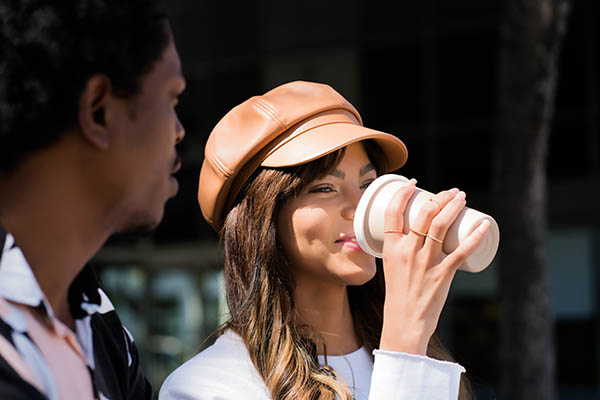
[260,289]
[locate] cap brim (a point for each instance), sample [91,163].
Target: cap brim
[325,139]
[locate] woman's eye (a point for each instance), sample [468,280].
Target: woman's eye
[322,189]
[366,184]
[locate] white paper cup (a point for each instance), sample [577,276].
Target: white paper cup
[370,215]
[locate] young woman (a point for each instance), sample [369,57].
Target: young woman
[311,315]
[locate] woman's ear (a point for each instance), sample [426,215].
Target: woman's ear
[92,113]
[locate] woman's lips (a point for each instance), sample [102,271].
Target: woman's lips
[349,243]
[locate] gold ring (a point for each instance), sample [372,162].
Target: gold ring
[394,231]
[435,239]
[418,233]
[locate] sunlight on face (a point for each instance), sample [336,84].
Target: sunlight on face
[316,226]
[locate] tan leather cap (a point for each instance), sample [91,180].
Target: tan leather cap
[290,125]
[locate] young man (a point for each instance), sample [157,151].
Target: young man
[88,135]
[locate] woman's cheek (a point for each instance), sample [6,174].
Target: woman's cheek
[312,224]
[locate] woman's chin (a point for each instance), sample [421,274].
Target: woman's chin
[357,275]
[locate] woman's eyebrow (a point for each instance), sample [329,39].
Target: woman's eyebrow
[366,168]
[338,174]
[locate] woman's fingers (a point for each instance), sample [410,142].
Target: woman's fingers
[394,214]
[468,246]
[441,223]
[420,229]
[417,273]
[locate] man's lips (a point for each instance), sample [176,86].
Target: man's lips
[176,165]
[176,168]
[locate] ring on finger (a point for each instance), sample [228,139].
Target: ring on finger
[394,231]
[435,239]
[418,233]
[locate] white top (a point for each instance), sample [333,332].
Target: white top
[355,369]
[224,371]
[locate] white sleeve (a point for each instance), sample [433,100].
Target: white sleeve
[400,376]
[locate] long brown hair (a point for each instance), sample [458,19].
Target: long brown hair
[260,288]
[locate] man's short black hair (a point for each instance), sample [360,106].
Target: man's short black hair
[48,51]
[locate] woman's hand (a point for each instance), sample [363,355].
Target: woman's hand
[418,274]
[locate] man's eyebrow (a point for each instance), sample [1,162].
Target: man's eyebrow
[366,168]
[338,174]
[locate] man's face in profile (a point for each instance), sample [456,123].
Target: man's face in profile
[145,158]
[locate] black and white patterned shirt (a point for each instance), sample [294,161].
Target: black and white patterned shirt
[108,348]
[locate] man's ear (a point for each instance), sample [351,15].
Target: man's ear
[93,109]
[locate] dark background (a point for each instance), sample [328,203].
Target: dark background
[426,71]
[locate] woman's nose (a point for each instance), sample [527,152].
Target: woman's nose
[349,207]
[348,212]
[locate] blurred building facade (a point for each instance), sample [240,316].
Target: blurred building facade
[425,71]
